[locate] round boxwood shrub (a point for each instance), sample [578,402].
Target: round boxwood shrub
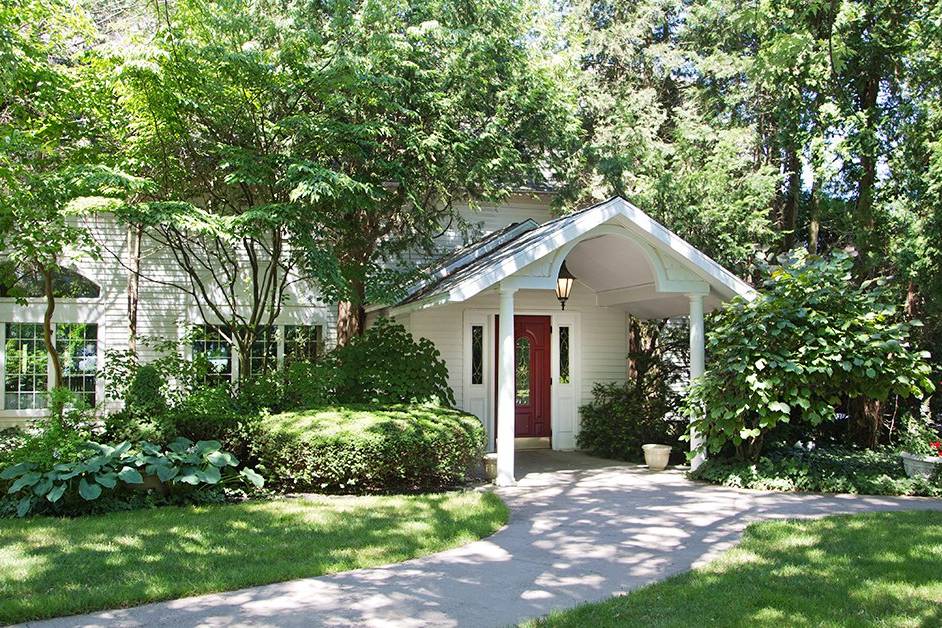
[361,449]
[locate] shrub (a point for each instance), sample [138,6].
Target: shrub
[353,449]
[101,469]
[145,394]
[210,414]
[47,442]
[310,384]
[810,341]
[622,417]
[830,470]
[387,365]
[11,439]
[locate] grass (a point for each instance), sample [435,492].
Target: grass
[882,569]
[52,567]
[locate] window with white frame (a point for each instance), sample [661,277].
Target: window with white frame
[27,374]
[209,343]
[26,370]
[264,354]
[296,343]
[77,345]
[303,343]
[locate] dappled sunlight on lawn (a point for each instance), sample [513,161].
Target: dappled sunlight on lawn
[838,571]
[52,567]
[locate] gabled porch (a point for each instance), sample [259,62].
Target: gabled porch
[528,349]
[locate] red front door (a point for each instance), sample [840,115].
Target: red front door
[531,374]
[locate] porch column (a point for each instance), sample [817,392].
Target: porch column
[696,361]
[505,391]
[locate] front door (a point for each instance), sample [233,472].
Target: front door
[531,375]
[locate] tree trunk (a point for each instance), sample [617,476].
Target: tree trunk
[351,315]
[634,347]
[789,216]
[47,328]
[868,164]
[135,233]
[814,225]
[866,417]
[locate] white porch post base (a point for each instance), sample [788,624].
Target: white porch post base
[505,391]
[696,362]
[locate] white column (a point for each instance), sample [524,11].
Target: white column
[505,391]
[696,361]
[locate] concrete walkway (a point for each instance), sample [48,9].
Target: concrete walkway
[581,529]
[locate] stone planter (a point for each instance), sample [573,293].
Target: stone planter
[490,466]
[656,456]
[921,466]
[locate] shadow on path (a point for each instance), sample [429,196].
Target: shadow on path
[581,529]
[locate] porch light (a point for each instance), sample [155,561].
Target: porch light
[564,285]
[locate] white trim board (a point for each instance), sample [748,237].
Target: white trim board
[478,399]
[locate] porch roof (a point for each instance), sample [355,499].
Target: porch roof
[530,255]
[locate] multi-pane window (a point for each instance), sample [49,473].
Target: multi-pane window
[563,355]
[77,344]
[209,343]
[522,379]
[477,354]
[303,343]
[264,354]
[26,378]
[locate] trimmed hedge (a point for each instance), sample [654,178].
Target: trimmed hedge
[823,470]
[363,449]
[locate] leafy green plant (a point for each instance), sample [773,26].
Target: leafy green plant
[387,365]
[355,449]
[825,470]
[809,342]
[623,417]
[114,468]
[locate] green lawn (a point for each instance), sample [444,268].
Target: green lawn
[51,567]
[882,569]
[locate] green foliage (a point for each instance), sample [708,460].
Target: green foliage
[210,413]
[48,442]
[830,470]
[310,384]
[358,449]
[387,365]
[811,340]
[622,417]
[145,393]
[64,486]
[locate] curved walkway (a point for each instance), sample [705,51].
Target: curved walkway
[581,529]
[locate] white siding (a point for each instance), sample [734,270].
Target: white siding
[164,311]
[602,333]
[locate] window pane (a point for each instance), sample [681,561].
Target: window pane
[522,395]
[66,283]
[477,354]
[209,342]
[264,355]
[26,377]
[563,355]
[303,343]
[77,344]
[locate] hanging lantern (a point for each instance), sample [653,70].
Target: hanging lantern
[564,285]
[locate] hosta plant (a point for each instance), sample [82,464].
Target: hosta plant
[184,465]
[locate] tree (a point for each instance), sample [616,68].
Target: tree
[811,342]
[44,139]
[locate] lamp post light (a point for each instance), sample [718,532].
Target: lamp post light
[564,285]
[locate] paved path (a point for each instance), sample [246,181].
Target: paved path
[583,533]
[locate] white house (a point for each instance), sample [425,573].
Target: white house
[539,370]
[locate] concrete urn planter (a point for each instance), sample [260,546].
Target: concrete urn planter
[656,456]
[490,466]
[921,466]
